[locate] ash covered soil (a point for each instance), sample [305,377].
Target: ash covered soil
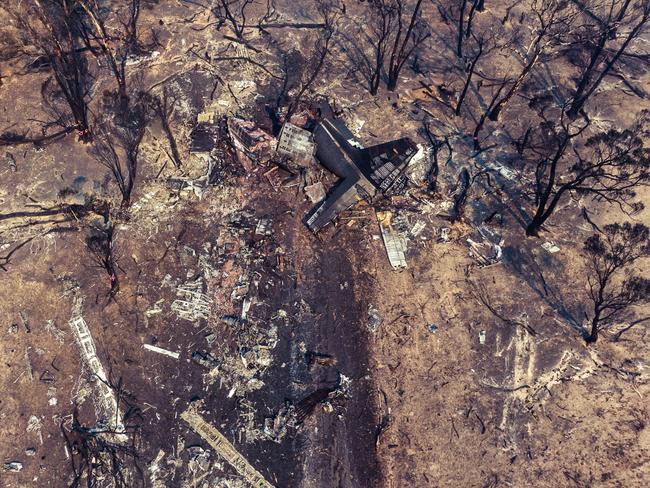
[301,334]
[321,364]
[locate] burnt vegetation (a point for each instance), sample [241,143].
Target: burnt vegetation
[492,66]
[100,242]
[614,287]
[122,129]
[606,166]
[100,454]
[517,105]
[396,30]
[495,65]
[52,29]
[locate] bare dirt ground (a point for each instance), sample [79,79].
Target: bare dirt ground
[475,401]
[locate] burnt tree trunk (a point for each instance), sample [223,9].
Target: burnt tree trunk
[461,20]
[593,334]
[470,17]
[461,196]
[496,111]
[401,50]
[545,194]
[470,73]
[545,209]
[484,116]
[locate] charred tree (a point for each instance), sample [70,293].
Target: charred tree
[483,44]
[52,29]
[484,116]
[115,47]
[513,4]
[522,142]
[117,144]
[321,51]
[396,31]
[106,152]
[234,14]
[552,22]
[163,107]
[100,243]
[461,32]
[622,23]
[470,69]
[462,12]
[460,195]
[477,6]
[436,145]
[299,72]
[383,18]
[95,457]
[612,288]
[609,166]
[406,41]
[292,64]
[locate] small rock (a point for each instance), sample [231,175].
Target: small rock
[550,247]
[11,161]
[374,319]
[30,451]
[74,199]
[433,328]
[13,466]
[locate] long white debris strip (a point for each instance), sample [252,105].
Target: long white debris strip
[225,449]
[106,397]
[162,351]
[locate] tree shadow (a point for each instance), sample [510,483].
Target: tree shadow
[355,55]
[523,264]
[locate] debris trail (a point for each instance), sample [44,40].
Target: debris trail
[217,440]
